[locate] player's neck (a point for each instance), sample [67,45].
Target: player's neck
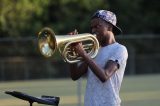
[109,42]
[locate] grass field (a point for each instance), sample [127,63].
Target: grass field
[142,90]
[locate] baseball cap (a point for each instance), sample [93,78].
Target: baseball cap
[109,17]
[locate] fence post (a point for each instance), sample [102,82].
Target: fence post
[79,92]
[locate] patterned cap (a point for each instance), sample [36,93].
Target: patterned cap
[109,17]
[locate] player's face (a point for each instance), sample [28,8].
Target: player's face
[100,28]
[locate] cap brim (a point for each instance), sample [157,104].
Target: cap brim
[117,30]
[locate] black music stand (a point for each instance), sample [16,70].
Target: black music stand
[48,100]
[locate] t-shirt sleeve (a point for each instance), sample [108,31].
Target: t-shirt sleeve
[120,55]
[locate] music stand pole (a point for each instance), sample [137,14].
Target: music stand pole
[30,103]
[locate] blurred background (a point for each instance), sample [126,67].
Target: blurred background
[23,68]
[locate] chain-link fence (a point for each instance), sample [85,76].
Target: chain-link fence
[20,58]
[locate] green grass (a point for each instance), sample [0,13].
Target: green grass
[143,90]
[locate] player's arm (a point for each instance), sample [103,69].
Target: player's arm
[102,73]
[110,68]
[76,70]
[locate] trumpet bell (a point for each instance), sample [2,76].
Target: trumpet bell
[47,42]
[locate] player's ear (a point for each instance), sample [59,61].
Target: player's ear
[110,27]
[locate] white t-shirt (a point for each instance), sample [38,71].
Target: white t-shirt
[107,93]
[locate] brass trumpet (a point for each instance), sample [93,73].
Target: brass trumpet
[48,43]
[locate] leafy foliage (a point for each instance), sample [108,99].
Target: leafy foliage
[26,17]
[17,16]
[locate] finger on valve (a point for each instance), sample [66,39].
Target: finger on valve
[73,32]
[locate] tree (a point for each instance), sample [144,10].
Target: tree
[17,16]
[26,17]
